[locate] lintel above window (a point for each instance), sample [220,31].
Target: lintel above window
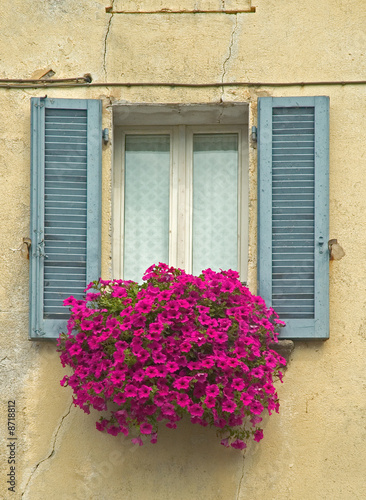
[125,114]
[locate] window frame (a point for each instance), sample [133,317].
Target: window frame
[180,217]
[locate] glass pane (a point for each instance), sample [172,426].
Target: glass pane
[147,186]
[215,202]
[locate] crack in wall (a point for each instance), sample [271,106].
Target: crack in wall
[233,33]
[106,40]
[52,451]
[241,478]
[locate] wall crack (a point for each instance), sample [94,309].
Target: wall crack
[51,453]
[226,61]
[241,478]
[106,39]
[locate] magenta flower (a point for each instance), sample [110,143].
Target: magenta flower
[269,389]
[246,398]
[182,399]
[210,402]
[238,444]
[130,391]
[146,428]
[158,357]
[207,362]
[117,377]
[228,405]
[156,328]
[113,430]
[159,399]
[137,440]
[258,435]
[225,442]
[119,398]
[144,306]
[185,346]
[182,383]
[256,407]
[172,366]
[212,390]
[238,384]
[257,372]
[196,410]
[152,371]
[144,391]
[138,375]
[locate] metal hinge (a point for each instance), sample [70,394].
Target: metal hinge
[253,134]
[105,135]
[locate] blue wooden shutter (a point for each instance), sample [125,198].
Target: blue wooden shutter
[293,206]
[65,207]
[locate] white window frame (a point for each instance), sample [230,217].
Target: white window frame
[180,217]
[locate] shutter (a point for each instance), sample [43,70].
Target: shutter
[66,207]
[293,204]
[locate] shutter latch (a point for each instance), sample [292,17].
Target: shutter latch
[321,244]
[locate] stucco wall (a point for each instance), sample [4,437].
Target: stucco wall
[316,447]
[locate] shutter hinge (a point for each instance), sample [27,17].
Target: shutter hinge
[39,333]
[40,250]
[253,134]
[105,135]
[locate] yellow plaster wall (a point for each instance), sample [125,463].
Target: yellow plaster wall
[316,447]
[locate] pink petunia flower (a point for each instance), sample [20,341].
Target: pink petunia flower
[212,390]
[183,399]
[144,391]
[238,384]
[196,410]
[258,435]
[210,401]
[182,383]
[137,440]
[229,405]
[238,444]
[256,407]
[146,428]
[130,391]
[246,398]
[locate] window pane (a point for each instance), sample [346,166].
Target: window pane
[147,185]
[215,201]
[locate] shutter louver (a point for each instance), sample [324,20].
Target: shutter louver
[66,164]
[293,212]
[65,209]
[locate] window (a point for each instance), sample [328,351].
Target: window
[181,196]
